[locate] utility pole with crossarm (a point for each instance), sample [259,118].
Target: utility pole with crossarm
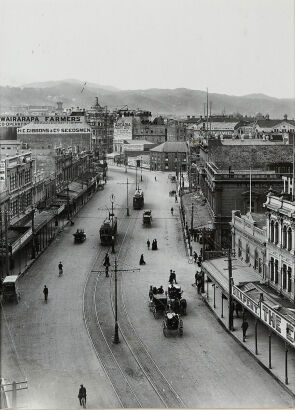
[116,339]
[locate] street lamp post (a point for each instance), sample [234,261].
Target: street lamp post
[116,339]
[33,235]
[141,169]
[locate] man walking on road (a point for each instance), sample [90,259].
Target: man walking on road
[45,292]
[148,244]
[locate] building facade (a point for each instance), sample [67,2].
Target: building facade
[170,156]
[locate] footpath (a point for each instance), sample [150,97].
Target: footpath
[275,365]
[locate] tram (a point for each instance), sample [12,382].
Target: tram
[108,231]
[138,199]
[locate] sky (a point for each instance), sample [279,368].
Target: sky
[235,47]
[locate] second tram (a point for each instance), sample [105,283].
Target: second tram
[138,199]
[108,231]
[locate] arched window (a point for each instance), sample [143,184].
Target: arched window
[276,233]
[289,239]
[272,231]
[284,239]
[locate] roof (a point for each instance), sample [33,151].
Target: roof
[141,142]
[259,218]
[268,123]
[10,278]
[171,147]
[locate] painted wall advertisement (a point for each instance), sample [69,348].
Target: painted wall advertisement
[20,121]
[123,129]
[268,315]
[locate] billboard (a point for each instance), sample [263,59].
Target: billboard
[123,129]
[19,121]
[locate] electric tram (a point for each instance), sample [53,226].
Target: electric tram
[138,199]
[108,231]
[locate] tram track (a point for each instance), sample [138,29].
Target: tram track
[156,378]
[100,333]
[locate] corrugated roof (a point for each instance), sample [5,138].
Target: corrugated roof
[171,147]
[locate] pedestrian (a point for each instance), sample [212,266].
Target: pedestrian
[172,210]
[141,261]
[45,292]
[155,178]
[151,292]
[60,268]
[196,277]
[148,244]
[172,277]
[175,198]
[82,394]
[195,256]
[244,326]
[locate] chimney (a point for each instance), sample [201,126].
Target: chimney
[59,106]
[267,116]
[285,117]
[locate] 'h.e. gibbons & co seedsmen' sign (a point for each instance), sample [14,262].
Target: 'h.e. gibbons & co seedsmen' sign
[21,120]
[267,315]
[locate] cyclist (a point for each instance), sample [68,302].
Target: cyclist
[60,268]
[82,394]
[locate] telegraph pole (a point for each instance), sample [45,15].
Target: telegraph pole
[230,303]
[141,168]
[116,339]
[192,219]
[33,234]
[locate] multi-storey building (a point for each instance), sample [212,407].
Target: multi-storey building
[280,244]
[170,156]
[101,121]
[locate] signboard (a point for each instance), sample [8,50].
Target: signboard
[269,316]
[63,130]
[123,129]
[20,121]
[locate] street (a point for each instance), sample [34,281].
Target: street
[49,344]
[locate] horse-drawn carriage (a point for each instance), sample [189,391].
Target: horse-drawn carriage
[175,301]
[79,236]
[147,217]
[172,324]
[158,304]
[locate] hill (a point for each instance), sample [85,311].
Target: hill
[179,101]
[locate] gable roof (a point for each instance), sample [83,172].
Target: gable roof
[171,147]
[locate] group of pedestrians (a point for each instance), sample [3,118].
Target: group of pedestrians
[45,289]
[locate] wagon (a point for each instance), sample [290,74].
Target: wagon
[10,289]
[158,304]
[175,301]
[172,324]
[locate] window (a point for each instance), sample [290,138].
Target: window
[284,239]
[255,259]
[276,271]
[289,239]
[272,231]
[284,276]
[276,233]
[289,274]
[272,269]
[239,248]
[259,266]
[13,182]
[247,260]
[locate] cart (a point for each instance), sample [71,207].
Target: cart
[79,236]
[10,289]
